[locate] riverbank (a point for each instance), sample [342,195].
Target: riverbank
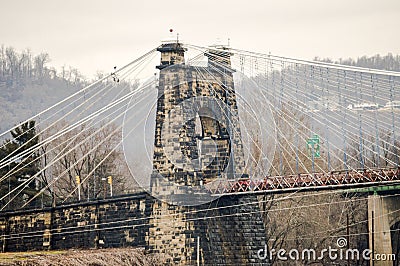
[92,257]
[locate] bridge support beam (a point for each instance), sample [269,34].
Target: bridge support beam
[379,230]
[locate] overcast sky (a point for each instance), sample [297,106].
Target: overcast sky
[96,35]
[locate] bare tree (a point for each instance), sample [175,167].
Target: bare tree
[40,61]
[81,156]
[292,155]
[372,151]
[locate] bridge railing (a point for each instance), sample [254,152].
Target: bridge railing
[316,180]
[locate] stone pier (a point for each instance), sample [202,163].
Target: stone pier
[383,214]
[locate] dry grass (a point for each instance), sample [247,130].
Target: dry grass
[91,257]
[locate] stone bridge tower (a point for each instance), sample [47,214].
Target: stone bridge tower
[197,135]
[198,139]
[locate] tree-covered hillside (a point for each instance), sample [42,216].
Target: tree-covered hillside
[387,62]
[28,85]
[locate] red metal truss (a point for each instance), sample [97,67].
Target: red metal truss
[316,180]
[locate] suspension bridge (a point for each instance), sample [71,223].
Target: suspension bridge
[214,121]
[303,123]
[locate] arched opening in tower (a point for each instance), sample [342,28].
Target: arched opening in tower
[206,144]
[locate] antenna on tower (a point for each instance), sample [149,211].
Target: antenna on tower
[171,35]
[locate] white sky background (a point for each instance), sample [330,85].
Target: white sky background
[95,35]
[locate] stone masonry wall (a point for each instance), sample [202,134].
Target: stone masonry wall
[113,222]
[228,235]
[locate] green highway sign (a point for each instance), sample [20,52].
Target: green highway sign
[313,146]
